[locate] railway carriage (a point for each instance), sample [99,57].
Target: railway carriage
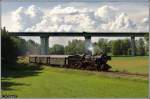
[48,59]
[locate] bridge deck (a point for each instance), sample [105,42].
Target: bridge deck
[80,34]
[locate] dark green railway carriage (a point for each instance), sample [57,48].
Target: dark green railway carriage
[49,59]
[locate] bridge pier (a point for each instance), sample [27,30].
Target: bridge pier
[44,45]
[133,45]
[88,45]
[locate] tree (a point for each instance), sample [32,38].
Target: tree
[97,50]
[32,47]
[57,49]
[12,47]
[21,45]
[121,47]
[141,47]
[102,44]
[9,48]
[129,51]
[75,47]
[126,44]
[146,37]
[116,47]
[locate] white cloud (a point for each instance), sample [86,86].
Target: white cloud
[105,18]
[144,24]
[106,13]
[123,23]
[60,10]
[24,18]
[145,20]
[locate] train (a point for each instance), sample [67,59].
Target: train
[86,62]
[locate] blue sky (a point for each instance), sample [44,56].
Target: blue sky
[9,5]
[89,15]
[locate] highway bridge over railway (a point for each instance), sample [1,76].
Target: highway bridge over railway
[44,37]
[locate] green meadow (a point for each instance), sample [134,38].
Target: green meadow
[32,81]
[138,64]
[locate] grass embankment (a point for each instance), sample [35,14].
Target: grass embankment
[59,82]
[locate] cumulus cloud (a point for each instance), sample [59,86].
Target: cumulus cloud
[123,23]
[145,20]
[65,19]
[25,18]
[104,18]
[144,24]
[106,13]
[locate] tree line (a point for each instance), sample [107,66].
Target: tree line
[113,47]
[16,46]
[12,47]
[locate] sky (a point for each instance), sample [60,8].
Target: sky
[83,15]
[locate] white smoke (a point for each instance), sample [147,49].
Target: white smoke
[91,49]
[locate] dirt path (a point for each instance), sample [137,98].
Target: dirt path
[126,74]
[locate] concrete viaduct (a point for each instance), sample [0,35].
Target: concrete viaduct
[44,37]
